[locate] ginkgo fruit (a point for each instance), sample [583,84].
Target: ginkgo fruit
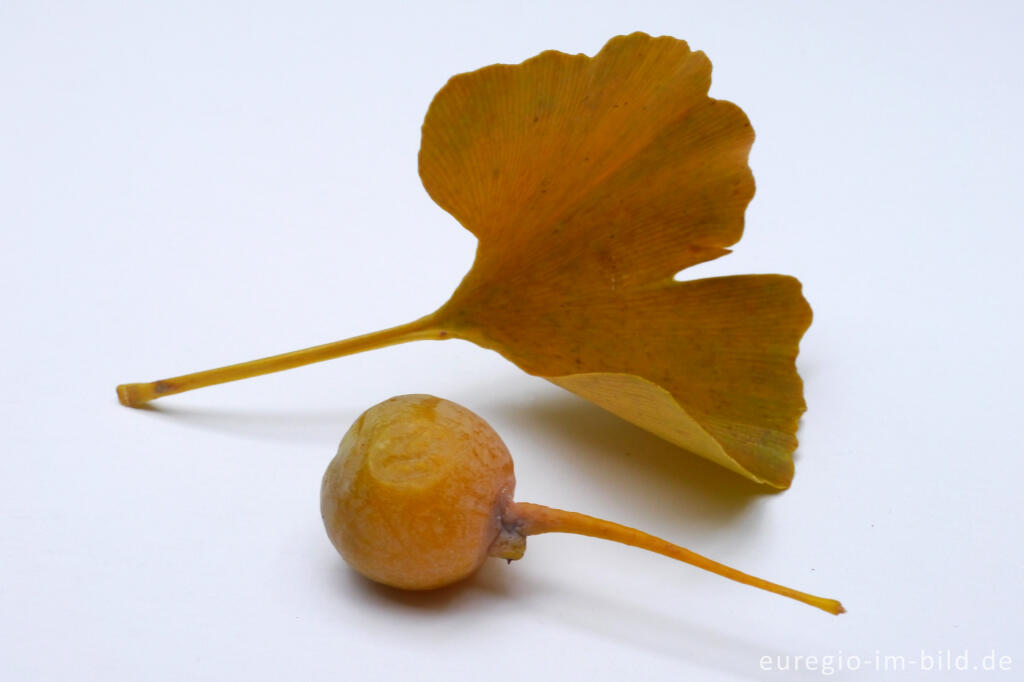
[420,494]
[590,182]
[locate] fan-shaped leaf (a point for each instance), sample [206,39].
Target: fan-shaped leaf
[589,183]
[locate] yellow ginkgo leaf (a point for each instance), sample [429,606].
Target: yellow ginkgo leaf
[589,183]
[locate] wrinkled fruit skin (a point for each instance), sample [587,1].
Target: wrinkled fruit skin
[415,496]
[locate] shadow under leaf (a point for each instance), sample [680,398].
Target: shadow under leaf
[618,459]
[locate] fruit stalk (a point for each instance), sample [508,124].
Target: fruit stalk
[134,395]
[533,519]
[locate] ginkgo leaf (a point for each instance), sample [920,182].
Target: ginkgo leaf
[589,183]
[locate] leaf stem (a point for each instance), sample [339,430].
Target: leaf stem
[534,519]
[134,395]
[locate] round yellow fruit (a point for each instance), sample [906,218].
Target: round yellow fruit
[414,497]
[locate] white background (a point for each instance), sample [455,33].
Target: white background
[189,184]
